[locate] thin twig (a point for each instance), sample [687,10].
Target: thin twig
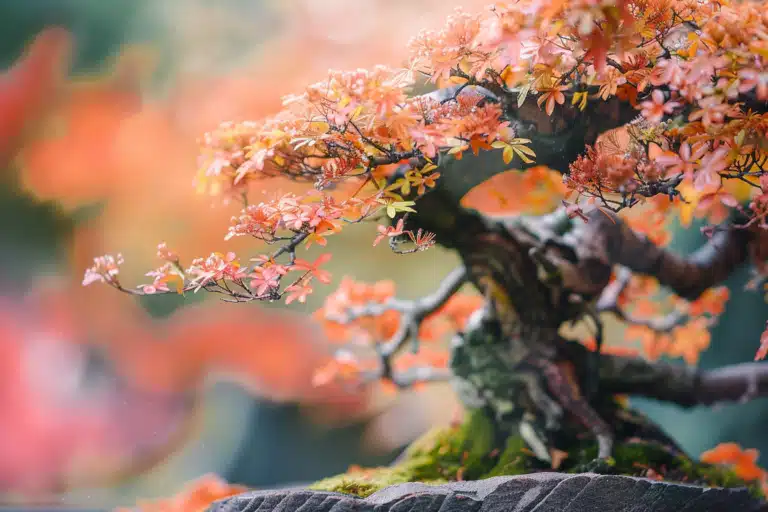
[413,314]
[609,303]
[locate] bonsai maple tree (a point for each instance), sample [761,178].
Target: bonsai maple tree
[615,115]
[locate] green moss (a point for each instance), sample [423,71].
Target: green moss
[716,476]
[448,454]
[513,460]
[467,452]
[629,458]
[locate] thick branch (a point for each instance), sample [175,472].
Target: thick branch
[687,276]
[740,382]
[675,383]
[734,383]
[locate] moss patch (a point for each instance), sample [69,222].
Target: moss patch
[468,452]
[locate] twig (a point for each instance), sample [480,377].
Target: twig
[609,303]
[410,377]
[413,313]
[609,299]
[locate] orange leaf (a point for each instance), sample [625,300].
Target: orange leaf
[743,462]
[763,350]
[197,495]
[477,143]
[558,456]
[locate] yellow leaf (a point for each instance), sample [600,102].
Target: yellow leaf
[760,48]
[739,138]
[398,184]
[174,281]
[524,149]
[740,190]
[522,155]
[581,99]
[508,154]
[356,113]
[465,66]
[201,182]
[396,197]
[399,206]
[687,208]
[522,94]
[509,77]
[320,126]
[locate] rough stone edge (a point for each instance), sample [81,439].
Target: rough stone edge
[536,492]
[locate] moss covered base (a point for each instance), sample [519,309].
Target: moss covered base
[468,452]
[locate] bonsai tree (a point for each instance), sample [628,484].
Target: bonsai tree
[619,114]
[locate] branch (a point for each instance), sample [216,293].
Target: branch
[609,299]
[733,383]
[289,248]
[675,383]
[410,377]
[608,302]
[413,313]
[687,276]
[738,382]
